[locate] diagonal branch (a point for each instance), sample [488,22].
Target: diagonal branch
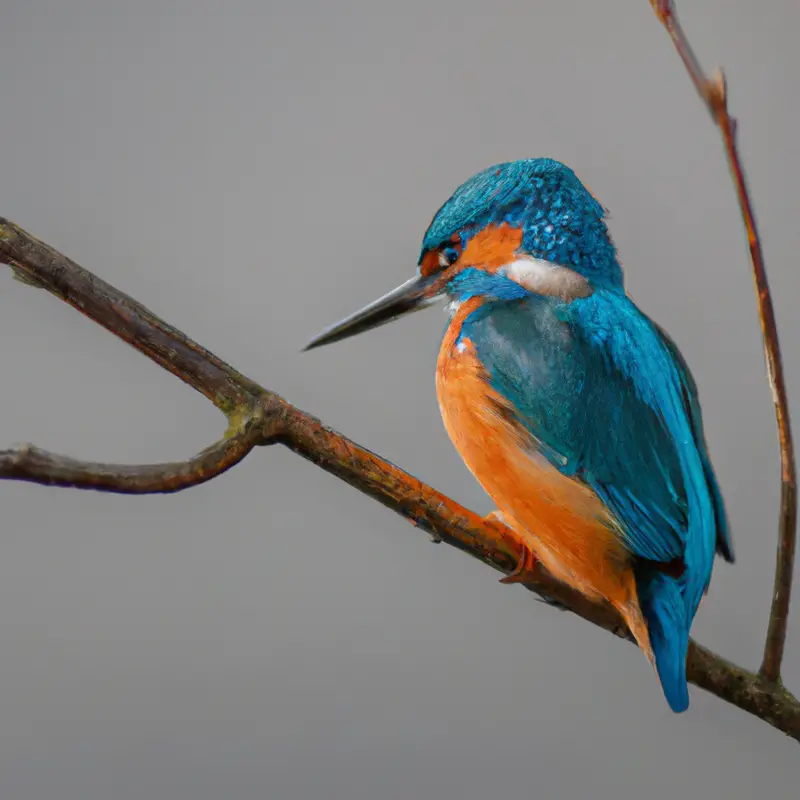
[713,93]
[259,417]
[40,265]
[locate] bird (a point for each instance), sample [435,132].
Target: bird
[575,411]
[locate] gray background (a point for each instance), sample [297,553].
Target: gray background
[252,171]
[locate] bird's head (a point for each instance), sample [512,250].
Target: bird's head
[523,227]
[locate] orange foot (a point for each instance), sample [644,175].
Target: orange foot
[526,566]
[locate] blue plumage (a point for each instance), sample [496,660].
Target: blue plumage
[562,222]
[606,401]
[602,390]
[597,388]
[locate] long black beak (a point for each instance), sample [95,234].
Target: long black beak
[413,295]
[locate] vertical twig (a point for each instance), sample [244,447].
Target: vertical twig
[713,93]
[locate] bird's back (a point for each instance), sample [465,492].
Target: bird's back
[562,520]
[596,422]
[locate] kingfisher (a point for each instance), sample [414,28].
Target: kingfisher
[575,412]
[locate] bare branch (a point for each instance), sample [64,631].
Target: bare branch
[40,265]
[257,416]
[714,95]
[29,463]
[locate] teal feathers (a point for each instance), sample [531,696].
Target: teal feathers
[561,220]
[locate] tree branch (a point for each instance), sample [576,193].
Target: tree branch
[29,463]
[38,264]
[713,93]
[257,416]
[260,417]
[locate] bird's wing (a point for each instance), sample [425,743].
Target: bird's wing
[605,398]
[692,404]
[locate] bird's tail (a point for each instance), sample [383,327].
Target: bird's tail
[664,607]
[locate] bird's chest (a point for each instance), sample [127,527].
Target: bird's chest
[497,365]
[565,520]
[478,418]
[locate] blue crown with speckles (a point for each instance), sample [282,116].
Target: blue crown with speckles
[561,221]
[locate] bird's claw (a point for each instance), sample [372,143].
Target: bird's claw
[525,569]
[526,566]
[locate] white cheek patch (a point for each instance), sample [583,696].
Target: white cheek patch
[542,277]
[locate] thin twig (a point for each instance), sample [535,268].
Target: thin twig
[714,95]
[259,417]
[32,464]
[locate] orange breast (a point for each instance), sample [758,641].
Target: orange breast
[565,524]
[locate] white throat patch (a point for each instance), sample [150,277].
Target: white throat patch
[542,277]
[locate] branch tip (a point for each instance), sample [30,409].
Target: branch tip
[34,465]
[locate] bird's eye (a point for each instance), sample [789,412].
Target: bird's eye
[448,256]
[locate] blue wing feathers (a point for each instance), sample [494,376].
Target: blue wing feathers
[607,397]
[692,403]
[564,370]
